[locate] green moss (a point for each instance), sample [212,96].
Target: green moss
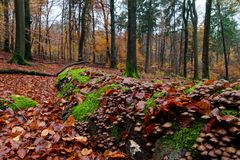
[184,138]
[237,87]
[191,89]
[74,74]
[129,72]
[151,101]
[230,112]
[21,102]
[91,103]
[125,89]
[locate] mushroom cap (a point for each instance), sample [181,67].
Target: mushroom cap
[167,125]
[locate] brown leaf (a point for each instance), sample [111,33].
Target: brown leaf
[70,121]
[22,153]
[109,154]
[81,139]
[86,152]
[56,138]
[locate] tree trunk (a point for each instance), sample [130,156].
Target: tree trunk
[147,61]
[83,31]
[223,40]
[113,36]
[70,29]
[205,59]
[19,53]
[185,20]
[6,25]
[105,17]
[194,18]
[93,34]
[28,45]
[131,63]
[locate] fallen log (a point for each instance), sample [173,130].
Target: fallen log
[35,73]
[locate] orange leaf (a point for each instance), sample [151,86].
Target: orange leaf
[109,154]
[70,121]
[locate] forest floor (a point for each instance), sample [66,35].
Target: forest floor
[95,113]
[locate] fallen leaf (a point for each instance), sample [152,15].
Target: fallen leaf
[81,139]
[17,138]
[70,121]
[86,152]
[109,154]
[17,129]
[22,153]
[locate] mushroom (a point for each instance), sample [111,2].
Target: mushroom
[231,150]
[167,125]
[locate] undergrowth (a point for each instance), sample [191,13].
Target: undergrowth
[21,102]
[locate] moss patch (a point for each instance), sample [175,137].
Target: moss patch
[75,76]
[21,102]
[91,103]
[184,138]
[191,89]
[151,101]
[230,112]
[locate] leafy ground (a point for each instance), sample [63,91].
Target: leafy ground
[95,113]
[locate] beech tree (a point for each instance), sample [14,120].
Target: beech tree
[19,53]
[205,58]
[6,47]
[131,63]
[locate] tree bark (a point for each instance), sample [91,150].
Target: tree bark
[185,20]
[83,30]
[194,18]
[205,58]
[6,25]
[223,40]
[19,53]
[113,36]
[28,45]
[149,33]
[131,63]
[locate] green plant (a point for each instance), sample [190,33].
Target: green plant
[151,101]
[191,89]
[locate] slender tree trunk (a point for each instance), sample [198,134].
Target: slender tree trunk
[6,25]
[223,40]
[147,60]
[83,30]
[19,54]
[113,36]
[131,63]
[93,34]
[185,20]
[205,57]
[105,17]
[70,29]
[194,18]
[28,45]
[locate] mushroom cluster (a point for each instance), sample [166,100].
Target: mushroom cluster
[221,142]
[207,90]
